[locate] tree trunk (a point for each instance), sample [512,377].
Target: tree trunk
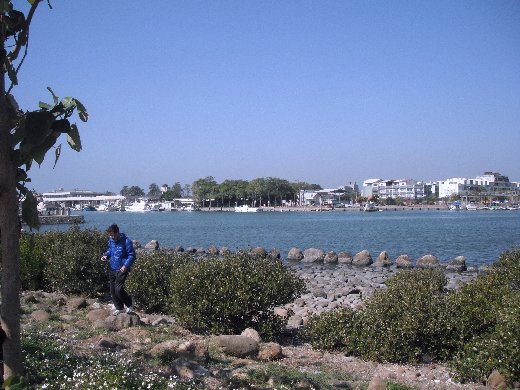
[10,238]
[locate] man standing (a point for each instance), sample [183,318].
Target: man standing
[121,254]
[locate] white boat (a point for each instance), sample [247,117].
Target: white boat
[455,206]
[138,207]
[370,206]
[471,206]
[246,209]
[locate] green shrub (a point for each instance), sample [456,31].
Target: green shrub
[498,349]
[475,306]
[148,282]
[32,262]
[405,321]
[332,330]
[485,316]
[230,294]
[73,261]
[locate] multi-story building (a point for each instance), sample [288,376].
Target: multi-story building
[490,186]
[385,189]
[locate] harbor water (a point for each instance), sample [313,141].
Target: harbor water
[480,236]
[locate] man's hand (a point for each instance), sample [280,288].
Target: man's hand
[122,269]
[104,257]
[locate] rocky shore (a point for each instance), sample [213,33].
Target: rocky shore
[336,280]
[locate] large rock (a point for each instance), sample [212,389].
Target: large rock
[458,264]
[344,258]
[152,245]
[213,250]
[496,380]
[313,255]
[404,261]
[274,254]
[167,347]
[331,258]
[427,261]
[250,332]
[362,259]
[121,321]
[259,252]
[189,370]
[295,254]
[383,260]
[97,314]
[270,352]
[236,345]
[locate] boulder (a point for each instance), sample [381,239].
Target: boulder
[193,348]
[121,321]
[189,370]
[427,261]
[458,264]
[136,244]
[274,254]
[213,250]
[250,332]
[403,261]
[164,348]
[259,252]
[270,352]
[235,345]
[77,303]
[179,248]
[40,316]
[383,260]
[362,259]
[295,254]
[496,380]
[331,258]
[152,245]
[313,255]
[344,258]
[97,314]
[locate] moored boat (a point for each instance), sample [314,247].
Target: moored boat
[370,206]
[246,209]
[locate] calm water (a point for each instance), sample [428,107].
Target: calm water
[480,236]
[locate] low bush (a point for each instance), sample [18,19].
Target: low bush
[485,316]
[331,330]
[149,279]
[406,321]
[233,293]
[73,261]
[32,262]
[497,349]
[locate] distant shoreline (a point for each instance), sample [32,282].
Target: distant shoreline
[342,209]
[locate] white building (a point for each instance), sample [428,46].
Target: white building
[402,188]
[79,198]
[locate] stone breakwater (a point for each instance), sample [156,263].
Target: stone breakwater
[344,285]
[336,280]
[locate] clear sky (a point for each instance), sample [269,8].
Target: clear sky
[318,91]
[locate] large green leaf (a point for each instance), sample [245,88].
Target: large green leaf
[30,211]
[38,153]
[82,111]
[38,126]
[73,138]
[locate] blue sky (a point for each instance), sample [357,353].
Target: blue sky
[318,91]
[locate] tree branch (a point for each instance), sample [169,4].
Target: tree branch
[23,36]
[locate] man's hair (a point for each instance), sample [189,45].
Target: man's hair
[113,228]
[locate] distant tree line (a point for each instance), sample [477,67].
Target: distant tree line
[207,192]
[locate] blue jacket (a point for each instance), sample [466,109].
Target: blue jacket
[120,252]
